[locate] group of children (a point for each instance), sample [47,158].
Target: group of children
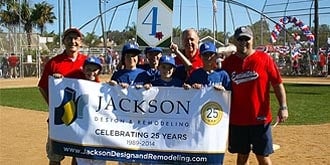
[160,71]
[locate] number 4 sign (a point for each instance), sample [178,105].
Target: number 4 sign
[154,22]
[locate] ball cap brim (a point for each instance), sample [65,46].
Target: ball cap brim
[155,49]
[243,31]
[72,30]
[207,47]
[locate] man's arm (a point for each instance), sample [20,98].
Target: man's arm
[175,49]
[280,94]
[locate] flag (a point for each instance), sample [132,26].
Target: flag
[214,6]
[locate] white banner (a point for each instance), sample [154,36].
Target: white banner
[162,124]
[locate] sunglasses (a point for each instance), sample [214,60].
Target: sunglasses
[240,39]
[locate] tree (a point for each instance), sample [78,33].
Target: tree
[56,40]
[177,32]
[116,36]
[43,14]
[324,34]
[16,13]
[205,32]
[10,15]
[261,32]
[27,21]
[130,32]
[91,40]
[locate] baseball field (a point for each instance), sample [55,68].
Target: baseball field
[23,135]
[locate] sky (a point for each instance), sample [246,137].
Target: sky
[84,11]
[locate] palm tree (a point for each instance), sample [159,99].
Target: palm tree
[27,21]
[38,16]
[43,14]
[9,17]
[177,32]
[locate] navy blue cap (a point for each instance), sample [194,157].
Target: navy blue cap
[167,60]
[131,48]
[147,49]
[93,60]
[207,47]
[154,49]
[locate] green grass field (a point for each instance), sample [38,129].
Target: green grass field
[308,104]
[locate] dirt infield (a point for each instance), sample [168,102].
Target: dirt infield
[23,136]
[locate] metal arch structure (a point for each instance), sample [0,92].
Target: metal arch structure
[304,10]
[235,2]
[300,9]
[106,11]
[116,5]
[265,13]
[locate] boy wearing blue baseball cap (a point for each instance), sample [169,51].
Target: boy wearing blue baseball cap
[209,75]
[153,55]
[166,69]
[92,68]
[130,74]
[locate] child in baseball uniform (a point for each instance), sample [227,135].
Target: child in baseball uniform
[166,69]
[209,74]
[91,70]
[130,75]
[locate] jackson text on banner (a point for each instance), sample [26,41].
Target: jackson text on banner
[162,124]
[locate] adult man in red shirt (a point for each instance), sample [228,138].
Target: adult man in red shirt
[252,72]
[191,58]
[68,64]
[13,61]
[322,63]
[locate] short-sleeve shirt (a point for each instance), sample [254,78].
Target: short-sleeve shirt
[13,60]
[323,60]
[251,78]
[175,82]
[135,76]
[218,76]
[64,65]
[153,73]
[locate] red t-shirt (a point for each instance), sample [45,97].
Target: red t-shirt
[196,62]
[64,65]
[13,60]
[251,79]
[323,60]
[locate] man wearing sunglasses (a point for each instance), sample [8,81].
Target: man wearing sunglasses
[252,73]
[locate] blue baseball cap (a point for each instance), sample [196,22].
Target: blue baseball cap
[154,49]
[131,48]
[146,50]
[207,47]
[167,60]
[93,60]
